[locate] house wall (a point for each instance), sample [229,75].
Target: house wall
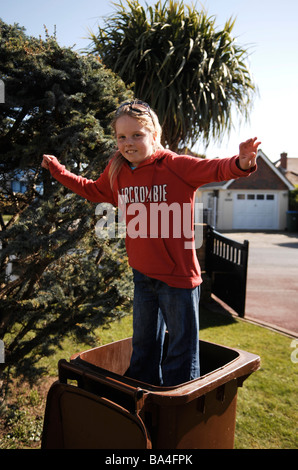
[206,198]
[223,205]
[283,204]
[225,210]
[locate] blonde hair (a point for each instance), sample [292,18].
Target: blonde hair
[147,117]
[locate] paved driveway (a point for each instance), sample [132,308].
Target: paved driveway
[272,284]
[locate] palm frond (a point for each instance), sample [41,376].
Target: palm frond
[175,58]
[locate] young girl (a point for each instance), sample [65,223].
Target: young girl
[161,186]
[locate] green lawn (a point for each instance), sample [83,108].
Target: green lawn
[267,403]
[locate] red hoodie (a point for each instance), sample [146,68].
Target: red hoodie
[159,198]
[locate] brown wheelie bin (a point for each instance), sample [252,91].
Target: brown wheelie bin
[94,405]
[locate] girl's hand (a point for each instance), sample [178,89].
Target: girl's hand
[46,159]
[248,153]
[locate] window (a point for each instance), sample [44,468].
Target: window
[250,196]
[270,197]
[18,187]
[260,197]
[240,196]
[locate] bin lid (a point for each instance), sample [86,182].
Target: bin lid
[78,419]
[219,365]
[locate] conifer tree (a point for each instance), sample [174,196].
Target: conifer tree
[56,276]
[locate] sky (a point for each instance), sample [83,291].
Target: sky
[267,28]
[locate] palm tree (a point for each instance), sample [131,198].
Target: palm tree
[174,58]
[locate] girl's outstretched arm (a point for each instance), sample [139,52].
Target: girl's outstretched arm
[94,191]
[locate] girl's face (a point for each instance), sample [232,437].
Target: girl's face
[135,142]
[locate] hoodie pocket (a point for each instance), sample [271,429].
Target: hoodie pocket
[149,255]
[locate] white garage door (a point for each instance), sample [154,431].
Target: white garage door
[255,211]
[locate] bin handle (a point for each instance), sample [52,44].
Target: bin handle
[73,372]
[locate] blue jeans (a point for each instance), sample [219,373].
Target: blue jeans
[158,307]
